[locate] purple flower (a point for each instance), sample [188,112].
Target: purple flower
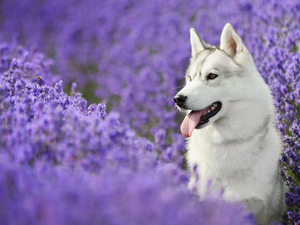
[63,161]
[128,56]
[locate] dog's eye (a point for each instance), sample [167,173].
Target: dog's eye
[212,76]
[190,78]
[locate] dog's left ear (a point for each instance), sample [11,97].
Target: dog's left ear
[197,43]
[230,41]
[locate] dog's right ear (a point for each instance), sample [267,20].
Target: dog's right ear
[197,44]
[230,41]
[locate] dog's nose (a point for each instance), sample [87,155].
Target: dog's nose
[179,99]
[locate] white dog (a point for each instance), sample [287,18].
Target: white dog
[230,130]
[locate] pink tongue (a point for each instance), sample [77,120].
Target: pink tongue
[190,122]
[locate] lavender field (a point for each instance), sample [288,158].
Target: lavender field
[88,129]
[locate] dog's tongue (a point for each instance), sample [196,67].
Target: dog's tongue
[190,122]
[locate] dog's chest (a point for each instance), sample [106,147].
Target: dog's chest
[221,159]
[225,165]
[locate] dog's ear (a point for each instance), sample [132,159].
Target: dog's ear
[197,44]
[230,41]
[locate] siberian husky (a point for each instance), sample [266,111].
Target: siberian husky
[229,126]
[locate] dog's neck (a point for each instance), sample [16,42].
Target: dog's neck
[239,124]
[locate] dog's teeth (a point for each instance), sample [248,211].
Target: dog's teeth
[215,105]
[208,111]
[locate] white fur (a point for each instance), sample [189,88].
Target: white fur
[239,147]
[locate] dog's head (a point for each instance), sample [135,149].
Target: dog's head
[213,79]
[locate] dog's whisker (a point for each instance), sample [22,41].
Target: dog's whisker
[177,88]
[184,66]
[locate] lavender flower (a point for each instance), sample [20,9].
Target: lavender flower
[63,161]
[128,55]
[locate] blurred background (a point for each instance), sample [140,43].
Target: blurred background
[128,54]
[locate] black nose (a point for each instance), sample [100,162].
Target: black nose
[179,99]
